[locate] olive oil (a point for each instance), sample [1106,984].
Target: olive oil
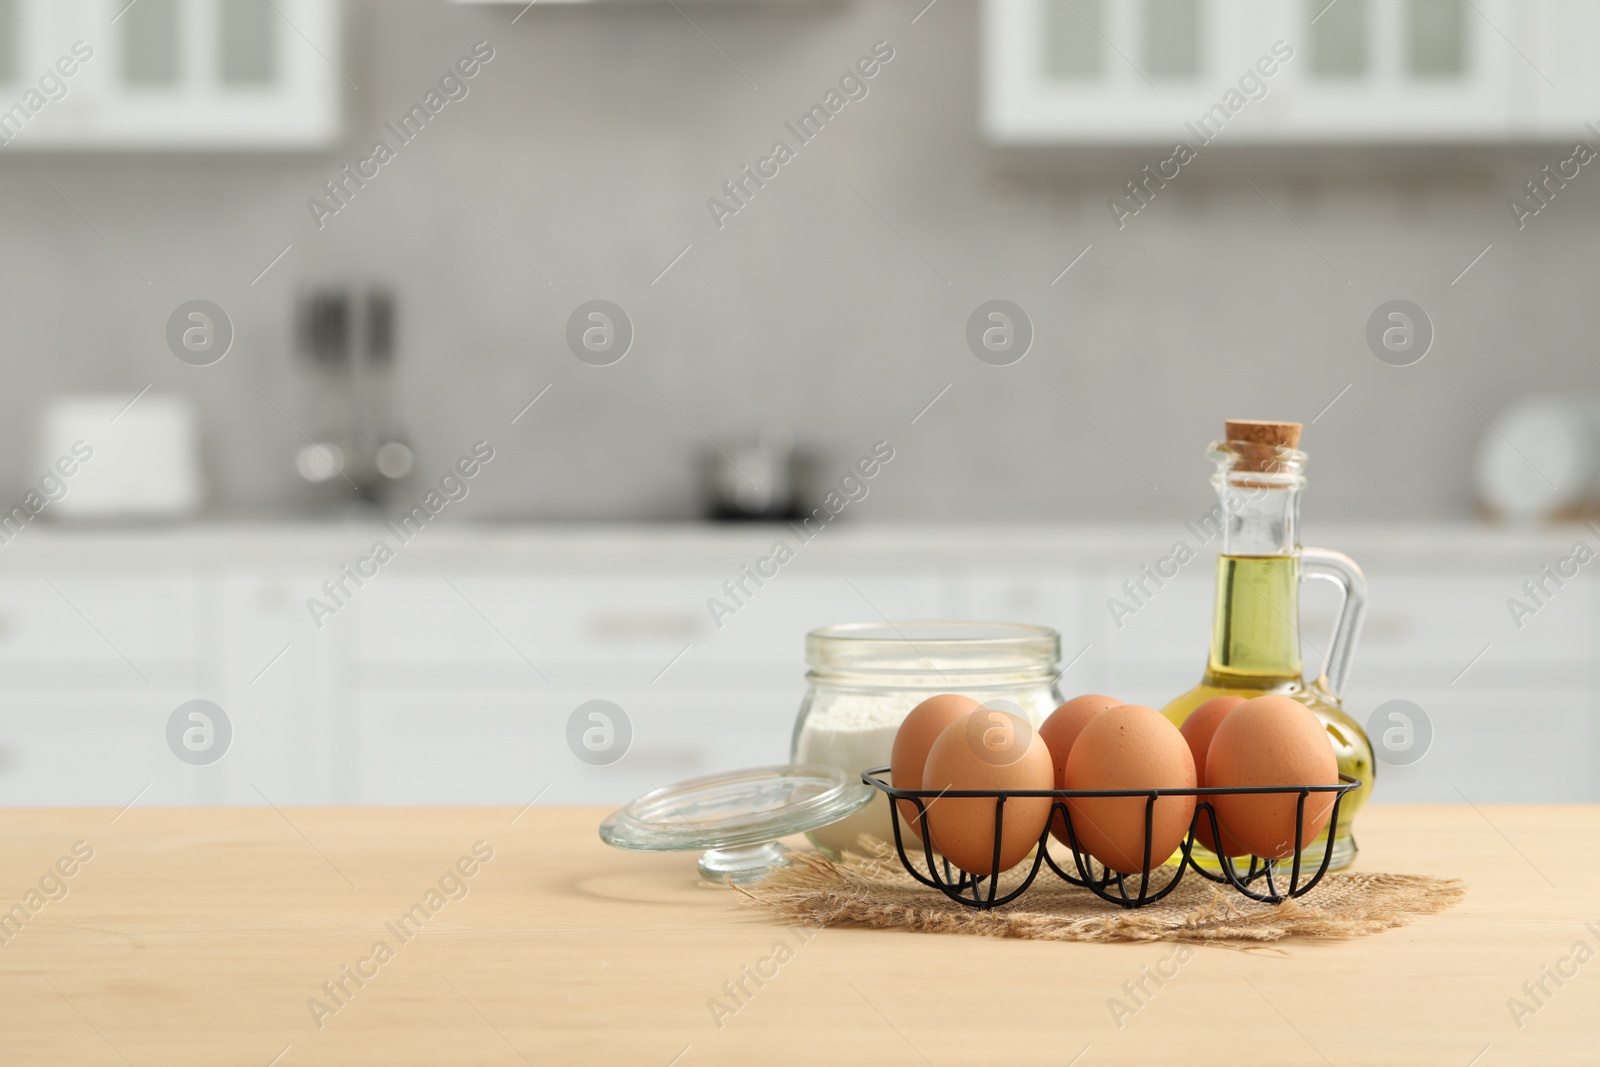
[1255,649]
[1255,632]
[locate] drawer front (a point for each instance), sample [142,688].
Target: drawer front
[472,619]
[634,623]
[1420,622]
[76,751]
[504,748]
[282,687]
[1448,618]
[73,619]
[1170,623]
[1521,745]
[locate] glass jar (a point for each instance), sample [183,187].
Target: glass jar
[866,677]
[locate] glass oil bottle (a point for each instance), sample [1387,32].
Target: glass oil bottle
[1255,633]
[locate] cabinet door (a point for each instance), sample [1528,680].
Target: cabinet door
[1522,745]
[1159,71]
[1107,71]
[506,748]
[78,750]
[92,664]
[98,630]
[1404,70]
[1454,629]
[169,73]
[465,682]
[1147,626]
[1136,615]
[561,630]
[280,685]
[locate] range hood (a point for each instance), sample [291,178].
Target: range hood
[524,5]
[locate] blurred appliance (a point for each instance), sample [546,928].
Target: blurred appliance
[106,457]
[348,338]
[1540,462]
[756,477]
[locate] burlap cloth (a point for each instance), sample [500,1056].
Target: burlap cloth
[873,889]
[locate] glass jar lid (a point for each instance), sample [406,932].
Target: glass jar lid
[918,647]
[736,808]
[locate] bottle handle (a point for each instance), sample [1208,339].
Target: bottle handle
[1344,572]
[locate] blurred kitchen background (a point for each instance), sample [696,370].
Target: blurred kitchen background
[355,345]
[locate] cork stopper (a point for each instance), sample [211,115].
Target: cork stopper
[1256,444]
[1258,432]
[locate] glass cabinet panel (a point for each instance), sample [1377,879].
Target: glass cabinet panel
[1072,45]
[1172,39]
[1338,38]
[1436,38]
[8,41]
[150,43]
[249,44]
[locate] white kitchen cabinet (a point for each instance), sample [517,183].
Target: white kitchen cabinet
[99,750]
[416,691]
[170,74]
[1406,609]
[1494,746]
[1288,71]
[106,629]
[505,748]
[1167,624]
[628,623]
[475,674]
[470,749]
[92,663]
[284,687]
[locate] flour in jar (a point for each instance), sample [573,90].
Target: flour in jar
[854,733]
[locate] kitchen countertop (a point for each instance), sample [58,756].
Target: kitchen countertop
[633,545]
[198,937]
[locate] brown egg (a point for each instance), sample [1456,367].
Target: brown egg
[1130,747]
[1271,740]
[1060,730]
[1197,730]
[911,743]
[987,749]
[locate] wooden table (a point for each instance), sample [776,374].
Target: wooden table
[205,937]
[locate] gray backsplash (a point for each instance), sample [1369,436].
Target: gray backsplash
[836,301]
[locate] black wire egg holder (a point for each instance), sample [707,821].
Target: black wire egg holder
[1258,881]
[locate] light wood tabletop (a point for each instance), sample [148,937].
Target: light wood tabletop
[249,937]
